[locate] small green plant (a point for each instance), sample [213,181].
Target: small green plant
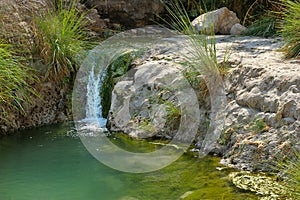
[258,125]
[290,28]
[265,27]
[15,81]
[173,115]
[60,40]
[147,126]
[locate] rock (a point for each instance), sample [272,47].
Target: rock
[266,87]
[237,29]
[222,21]
[155,98]
[140,107]
[262,119]
[129,13]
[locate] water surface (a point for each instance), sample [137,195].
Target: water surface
[51,163]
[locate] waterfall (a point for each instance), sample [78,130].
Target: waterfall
[93,104]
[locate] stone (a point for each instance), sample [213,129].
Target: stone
[136,107]
[237,29]
[221,20]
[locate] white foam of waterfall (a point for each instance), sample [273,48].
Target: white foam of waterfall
[93,104]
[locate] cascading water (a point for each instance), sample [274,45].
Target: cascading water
[92,131]
[93,104]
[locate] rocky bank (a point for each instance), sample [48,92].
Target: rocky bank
[262,91]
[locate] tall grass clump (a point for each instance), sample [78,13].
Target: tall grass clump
[290,28]
[15,81]
[264,26]
[290,171]
[61,41]
[201,56]
[203,47]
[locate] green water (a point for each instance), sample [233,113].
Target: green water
[50,163]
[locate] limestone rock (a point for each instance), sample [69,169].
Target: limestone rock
[264,103]
[220,20]
[263,94]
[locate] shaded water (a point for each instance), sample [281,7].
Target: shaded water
[51,163]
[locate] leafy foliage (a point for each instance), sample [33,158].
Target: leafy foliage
[60,40]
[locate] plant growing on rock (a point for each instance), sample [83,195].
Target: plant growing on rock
[15,81]
[264,26]
[290,172]
[201,57]
[60,40]
[290,28]
[173,115]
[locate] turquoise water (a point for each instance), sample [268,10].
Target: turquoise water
[51,163]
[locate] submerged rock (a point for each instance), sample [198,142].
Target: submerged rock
[260,184]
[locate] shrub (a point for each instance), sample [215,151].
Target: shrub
[265,27]
[14,78]
[60,40]
[289,170]
[290,27]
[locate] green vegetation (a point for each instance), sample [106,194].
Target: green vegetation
[15,81]
[187,174]
[290,170]
[265,27]
[290,28]
[247,10]
[115,71]
[60,40]
[258,125]
[173,115]
[203,56]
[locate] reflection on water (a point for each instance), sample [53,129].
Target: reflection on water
[51,163]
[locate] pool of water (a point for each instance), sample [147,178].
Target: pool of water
[51,163]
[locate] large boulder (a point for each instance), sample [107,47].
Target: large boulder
[222,21]
[152,100]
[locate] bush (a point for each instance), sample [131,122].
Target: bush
[290,28]
[14,78]
[289,170]
[61,40]
[264,27]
